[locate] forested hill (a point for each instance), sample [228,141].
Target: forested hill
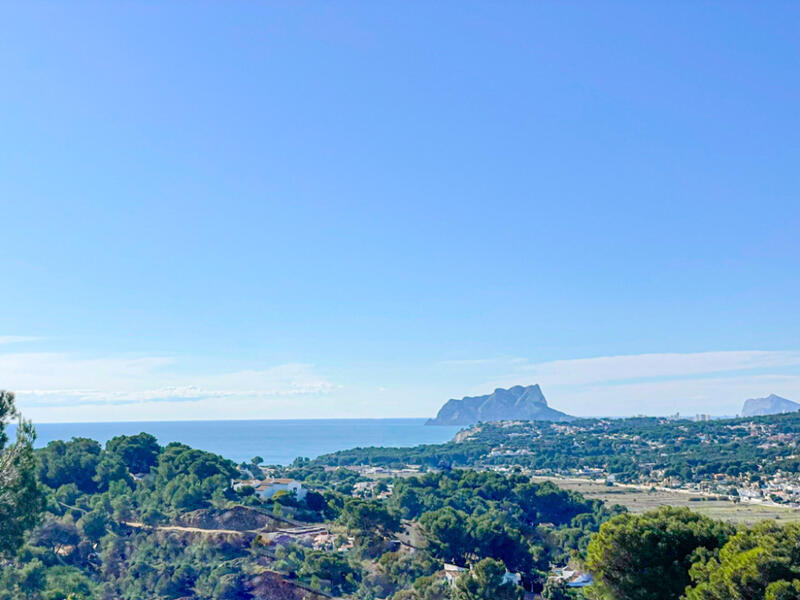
[635,450]
[133,520]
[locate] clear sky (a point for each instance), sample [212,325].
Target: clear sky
[361,209]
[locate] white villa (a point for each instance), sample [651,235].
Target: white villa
[267,488]
[453,572]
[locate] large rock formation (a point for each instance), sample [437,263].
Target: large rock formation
[771,405]
[517,403]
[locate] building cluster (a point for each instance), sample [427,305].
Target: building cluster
[374,488]
[373,471]
[652,456]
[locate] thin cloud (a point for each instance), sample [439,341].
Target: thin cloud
[64,387]
[471,362]
[636,366]
[51,380]
[624,367]
[75,397]
[18,339]
[713,395]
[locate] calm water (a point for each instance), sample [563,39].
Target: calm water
[278,442]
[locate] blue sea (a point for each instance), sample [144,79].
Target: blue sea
[276,441]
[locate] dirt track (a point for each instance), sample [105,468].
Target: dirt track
[137,525]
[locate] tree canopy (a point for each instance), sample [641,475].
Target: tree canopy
[649,556]
[486,581]
[21,499]
[138,452]
[760,562]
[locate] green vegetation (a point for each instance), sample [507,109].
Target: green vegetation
[645,498]
[88,545]
[676,554]
[753,457]
[485,580]
[648,557]
[629,448]
[469,515]
[762,562]
[315,475]
[20,496]
[133,520]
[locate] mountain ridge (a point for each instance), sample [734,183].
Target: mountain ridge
[771,405]
[526,403]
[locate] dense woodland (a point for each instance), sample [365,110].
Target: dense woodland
[673,554]
[130,520]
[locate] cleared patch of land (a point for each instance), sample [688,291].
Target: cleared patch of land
[640,500]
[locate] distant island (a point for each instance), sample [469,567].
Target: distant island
[771,405]
[519,403]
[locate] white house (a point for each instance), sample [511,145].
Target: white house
[452,572]
[581,580]
[239,484]
[574,579]
[269,487]
[362,487]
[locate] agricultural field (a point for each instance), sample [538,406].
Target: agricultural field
[639,500]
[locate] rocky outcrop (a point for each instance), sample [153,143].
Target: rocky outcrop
[519,403]
[771,405]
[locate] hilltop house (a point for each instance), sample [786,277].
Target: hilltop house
[573,579]
[267,488]
[453,572]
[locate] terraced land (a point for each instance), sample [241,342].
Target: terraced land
[639,500]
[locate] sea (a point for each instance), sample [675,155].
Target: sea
[278,442]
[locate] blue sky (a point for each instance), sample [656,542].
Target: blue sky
[362,209]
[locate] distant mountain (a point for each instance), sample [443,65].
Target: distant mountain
[518,403]
[771,405]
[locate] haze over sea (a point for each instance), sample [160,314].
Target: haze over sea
[276,441]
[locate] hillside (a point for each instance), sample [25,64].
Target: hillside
[771,405]
[519,403]
[183,530]
[710,456]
